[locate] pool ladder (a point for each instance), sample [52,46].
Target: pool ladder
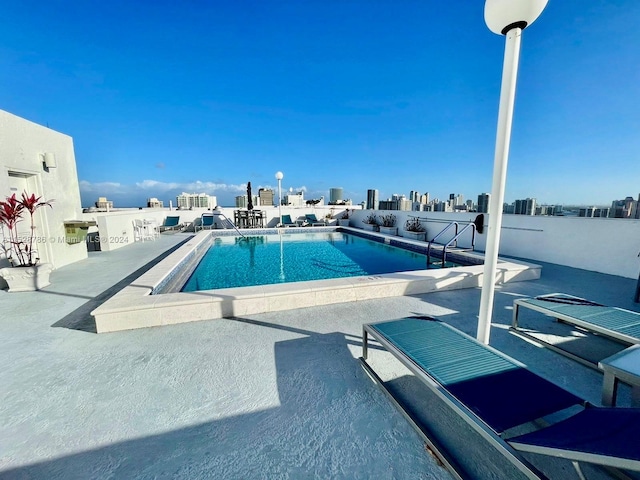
[230,223]
[453,241]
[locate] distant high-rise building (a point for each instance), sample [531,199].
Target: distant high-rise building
[372,199]
[509,209]
[335,195]
[242,201]
[483,202]
[525,207]
[424,198]
[153,202]
[195,200]
[587,212]
[414,196]
[103,204]
[266,196]
[626,208]
[294,199]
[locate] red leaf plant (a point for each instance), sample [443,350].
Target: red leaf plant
[19,250]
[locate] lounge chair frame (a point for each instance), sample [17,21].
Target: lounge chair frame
[458,407]
[508,448]
[552,310]
[177,226]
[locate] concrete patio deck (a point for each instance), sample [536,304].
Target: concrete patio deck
[272,395]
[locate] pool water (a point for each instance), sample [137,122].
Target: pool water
[270,259]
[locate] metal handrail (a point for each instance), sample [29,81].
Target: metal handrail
[436,237]
[454,240]
[230,223]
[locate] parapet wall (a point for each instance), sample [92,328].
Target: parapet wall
[605,245]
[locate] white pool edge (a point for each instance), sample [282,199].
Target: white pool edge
[135,307]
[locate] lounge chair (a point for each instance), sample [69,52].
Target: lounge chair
[313,220]
[171,223]
[615,323]
[287,222]
[206,222]
[494,393]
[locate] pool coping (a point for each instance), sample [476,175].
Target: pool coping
[135,306]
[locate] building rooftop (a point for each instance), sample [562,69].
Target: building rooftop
[272,395]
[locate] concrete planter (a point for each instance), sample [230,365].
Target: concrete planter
[343,222]
[27,279]
[370,227]
[389,230]
[414,235]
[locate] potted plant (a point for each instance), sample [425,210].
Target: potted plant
[328,218]
[343,220]
[388,224]
[414,229]
[26,273]
[370,222]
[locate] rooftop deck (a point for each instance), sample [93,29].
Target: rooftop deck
[271,395]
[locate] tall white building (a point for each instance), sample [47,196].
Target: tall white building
[195,200]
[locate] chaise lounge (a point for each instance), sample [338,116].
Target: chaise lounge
[287,222]
[617,324]
[494,393]
[311,218]
[171,223]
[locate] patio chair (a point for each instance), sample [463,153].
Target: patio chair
[141,231]
[206,222]
[287,222]
[171,223]
[313,220]
[494,393]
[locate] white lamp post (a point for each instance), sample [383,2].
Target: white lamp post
[509,18]
[279,176]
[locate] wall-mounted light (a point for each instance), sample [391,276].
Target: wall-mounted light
[49,160]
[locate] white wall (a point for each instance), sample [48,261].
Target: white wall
[604,245]
[21,145]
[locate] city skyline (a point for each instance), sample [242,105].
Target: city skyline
[162,99]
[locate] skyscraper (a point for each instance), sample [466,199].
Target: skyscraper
[266,196]
[483,202]
[195,200]
[372,199]
[525,207]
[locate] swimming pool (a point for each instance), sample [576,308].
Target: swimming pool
[155,298]
[271,259]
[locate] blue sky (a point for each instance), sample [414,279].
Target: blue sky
[162,97]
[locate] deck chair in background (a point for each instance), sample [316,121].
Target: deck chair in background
[287,222]
[171,223]
[206,222]
[313,220]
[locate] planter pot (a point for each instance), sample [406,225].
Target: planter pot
[27,279]
[343,222]
[389,230]
[414,235]
[369,227]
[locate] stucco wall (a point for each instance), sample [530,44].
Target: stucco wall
[604,245]
[22,144]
